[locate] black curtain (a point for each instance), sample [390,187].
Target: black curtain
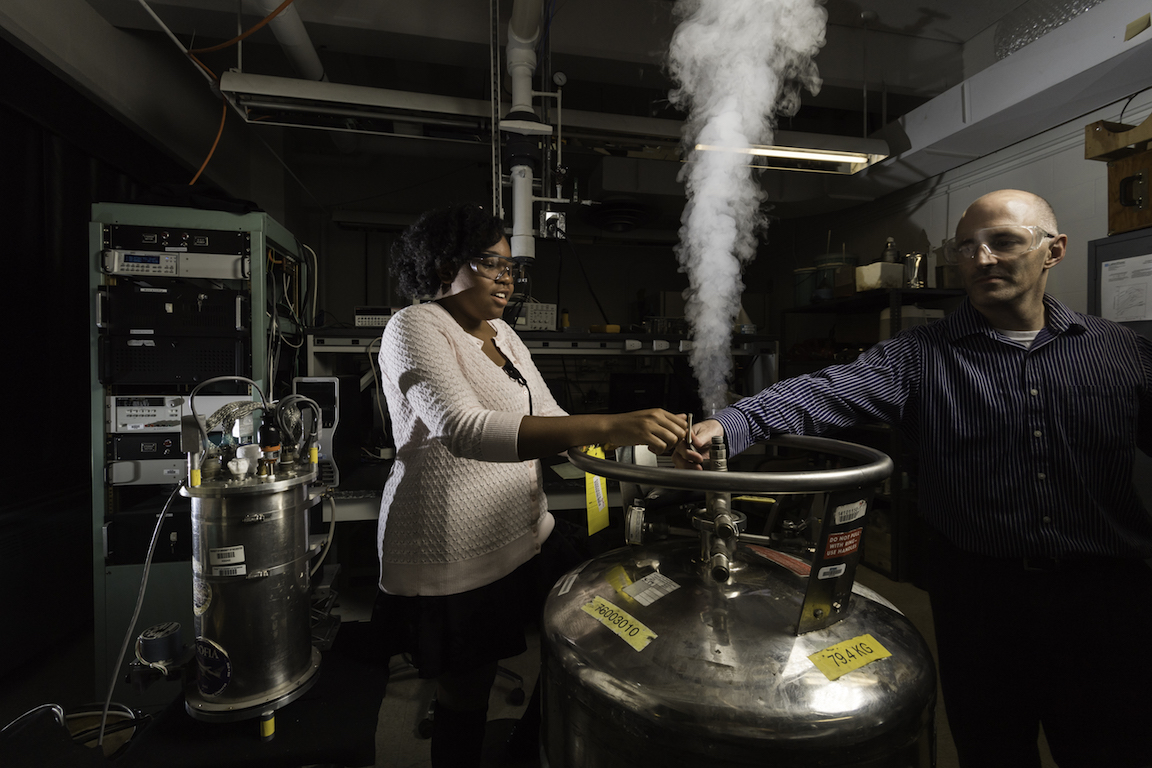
[60,153]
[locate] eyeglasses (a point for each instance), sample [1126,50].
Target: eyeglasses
[997,241]
[495,267]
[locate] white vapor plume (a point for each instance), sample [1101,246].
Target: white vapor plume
[738,64]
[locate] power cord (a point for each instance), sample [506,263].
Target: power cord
[135,613]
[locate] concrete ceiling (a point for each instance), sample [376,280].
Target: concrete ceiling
[883,61]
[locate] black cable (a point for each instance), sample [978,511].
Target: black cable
[1130,98]
[584,272]
[559,278]
[516,376]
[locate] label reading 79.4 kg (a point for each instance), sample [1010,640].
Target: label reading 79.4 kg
[839,659]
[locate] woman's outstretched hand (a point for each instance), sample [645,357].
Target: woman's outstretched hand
[654,427]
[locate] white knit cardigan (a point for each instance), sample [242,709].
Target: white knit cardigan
[460,510]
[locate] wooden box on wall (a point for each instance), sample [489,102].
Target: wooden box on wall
[1129,207]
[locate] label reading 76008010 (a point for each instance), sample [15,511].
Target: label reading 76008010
[621,622]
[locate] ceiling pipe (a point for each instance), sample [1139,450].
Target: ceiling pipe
[293,38]
[523,34]
[297,45]
[521,122]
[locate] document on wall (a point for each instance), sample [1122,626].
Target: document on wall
[1126,289]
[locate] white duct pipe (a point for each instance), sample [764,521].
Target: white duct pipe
[293,38]
[297,45]
[523,33]
[523,244]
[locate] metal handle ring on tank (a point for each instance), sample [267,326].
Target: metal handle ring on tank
[878,466]
[720,528]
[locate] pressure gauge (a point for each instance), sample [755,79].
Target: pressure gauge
[560,79]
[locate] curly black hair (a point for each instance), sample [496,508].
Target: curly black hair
[440,241]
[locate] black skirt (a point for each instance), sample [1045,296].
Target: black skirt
[457,634]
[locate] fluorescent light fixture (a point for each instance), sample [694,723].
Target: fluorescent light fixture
[811,152]
[792,153]
[267,100]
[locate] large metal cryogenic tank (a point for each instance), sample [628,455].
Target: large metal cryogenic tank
[251,596]
[251,574]
[732,650]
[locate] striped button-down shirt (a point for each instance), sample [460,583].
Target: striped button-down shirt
[1021,452]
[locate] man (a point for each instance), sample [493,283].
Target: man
[1025,417]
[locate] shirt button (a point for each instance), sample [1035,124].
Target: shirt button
[1041,476]
[1047,519]
[1037,433]
[1033,392]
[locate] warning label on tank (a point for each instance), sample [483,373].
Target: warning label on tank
[624,625]
[843,543]
[651,588]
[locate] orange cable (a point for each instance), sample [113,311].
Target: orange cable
[224,115]
[247,32]
[219,133]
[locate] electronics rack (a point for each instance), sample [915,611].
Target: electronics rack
[178,295]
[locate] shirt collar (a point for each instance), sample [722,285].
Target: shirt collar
[496,339]
[967,321]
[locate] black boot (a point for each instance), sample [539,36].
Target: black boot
[524,743]
[457,737]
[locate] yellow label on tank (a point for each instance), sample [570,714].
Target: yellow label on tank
[839,659]
[621,622]
[596,495]
[620,581]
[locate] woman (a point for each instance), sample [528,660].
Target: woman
[464,523]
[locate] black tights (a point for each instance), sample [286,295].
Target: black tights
[460,718]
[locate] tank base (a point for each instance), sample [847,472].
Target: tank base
[212,709]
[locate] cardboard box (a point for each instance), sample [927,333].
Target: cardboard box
[880,274]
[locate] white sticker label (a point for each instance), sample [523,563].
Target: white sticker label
[598,486]
[226,555]
[568,580]
[651,588]
[230,570]
[849,512]
[831,571]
